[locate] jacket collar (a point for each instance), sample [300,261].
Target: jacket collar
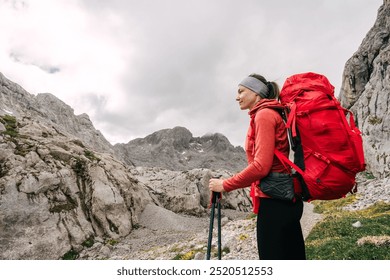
[265,103]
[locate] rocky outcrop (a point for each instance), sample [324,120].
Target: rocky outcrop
[55,193]
[177,149]
[186,192]
[366,91]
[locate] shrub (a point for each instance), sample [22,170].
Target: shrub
[10,124]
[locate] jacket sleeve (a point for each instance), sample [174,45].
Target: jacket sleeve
[265,124]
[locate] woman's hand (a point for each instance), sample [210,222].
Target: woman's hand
[216,185]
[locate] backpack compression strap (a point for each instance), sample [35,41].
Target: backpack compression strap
[284,160]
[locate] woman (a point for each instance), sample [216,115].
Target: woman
[279,233]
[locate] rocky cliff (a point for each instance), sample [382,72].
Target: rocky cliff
[366,91]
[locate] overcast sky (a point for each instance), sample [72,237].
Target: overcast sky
[136,67]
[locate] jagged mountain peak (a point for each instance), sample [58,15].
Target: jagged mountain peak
[173,136]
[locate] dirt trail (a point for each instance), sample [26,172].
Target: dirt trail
[309,219]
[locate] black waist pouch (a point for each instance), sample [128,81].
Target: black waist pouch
[278,185]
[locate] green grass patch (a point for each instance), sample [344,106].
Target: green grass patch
[70,255]
[88,242]
[334,238]
[331,206]
[11,125]
[186,256]
[189,255]
[112,242]
[91,156]
[368,175]
[251,216]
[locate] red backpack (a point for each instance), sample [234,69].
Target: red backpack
[328,149]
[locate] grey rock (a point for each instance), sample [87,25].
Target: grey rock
[357,224]
[366,91]
[187,192]
[370,191]
[199,256]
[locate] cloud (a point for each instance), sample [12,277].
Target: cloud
[47,68]
[139,66]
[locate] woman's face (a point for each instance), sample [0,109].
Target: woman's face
[246,98]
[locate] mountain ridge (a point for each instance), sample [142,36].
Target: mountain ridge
[177,149]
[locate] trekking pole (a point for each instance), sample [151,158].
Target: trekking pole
[215,199]
[219,225]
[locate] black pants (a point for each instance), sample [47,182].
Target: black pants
[279,232]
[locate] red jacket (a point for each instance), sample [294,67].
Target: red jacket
[266,132]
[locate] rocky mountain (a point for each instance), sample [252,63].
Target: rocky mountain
[62,187]
[366,91]
[177,149]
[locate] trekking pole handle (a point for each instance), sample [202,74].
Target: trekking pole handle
[215,195]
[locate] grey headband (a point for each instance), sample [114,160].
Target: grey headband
[255,85]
